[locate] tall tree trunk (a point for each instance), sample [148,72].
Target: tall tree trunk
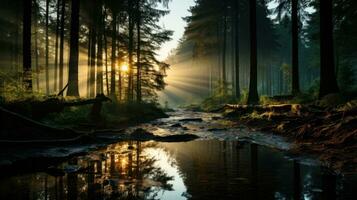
[47,48]
[27,73]
[253,97]
[73,56]
[100,51]
[61,53]
[56,45]
[328,82]
[92,63]
[106,55]
[114,52]
[120,85]
[237,55]
[93,54]
[37,70]
[138,62]
[131,44]
[295,47]
[89,61]
[224,49]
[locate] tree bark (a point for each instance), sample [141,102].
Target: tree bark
[100,52]
[253,97]
[130,49]
[328,82]
[224,49]
[295,47]
[237,55]
[73,56]
[27,69]
[61,54]
[56,45]
[138,62]
[37,70]
[106,55]
[92,65]
[114,52]
[47,48]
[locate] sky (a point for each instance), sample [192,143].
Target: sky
[173,21]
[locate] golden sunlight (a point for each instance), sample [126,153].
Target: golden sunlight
[124,68]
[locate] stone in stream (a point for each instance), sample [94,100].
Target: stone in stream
[143,135]
[178,125]
[217,129]
[191,120]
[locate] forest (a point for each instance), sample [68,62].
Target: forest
[255,99]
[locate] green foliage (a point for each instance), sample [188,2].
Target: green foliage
[72,116]
[314,89]
[265,100]
[113,115]
[222,94]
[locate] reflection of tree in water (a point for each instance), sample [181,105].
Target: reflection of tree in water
[125,171]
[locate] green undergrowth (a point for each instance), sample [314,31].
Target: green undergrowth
[113,115]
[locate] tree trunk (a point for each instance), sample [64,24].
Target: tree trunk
[253,97]
[328,82]
[61,54]
[47,48]
[138,62]
[73,56]
[224,49]
[114,52]
[27,73]
[56,46]
[89,61]
[130,49]
[100,52]
[92,65]
[295,47]
[237,55]
[106,55]
[37,70]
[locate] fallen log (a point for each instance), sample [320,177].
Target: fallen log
[39,109]
[19,129]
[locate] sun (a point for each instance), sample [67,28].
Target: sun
[124,68]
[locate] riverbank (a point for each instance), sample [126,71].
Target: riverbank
[328,133]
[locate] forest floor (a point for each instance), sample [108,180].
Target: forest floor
[329,132]
[53,119]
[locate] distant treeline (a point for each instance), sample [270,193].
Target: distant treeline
[271,47]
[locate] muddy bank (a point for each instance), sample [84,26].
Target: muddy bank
[329,133]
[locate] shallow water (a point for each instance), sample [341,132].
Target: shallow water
[226,163]
[207,169]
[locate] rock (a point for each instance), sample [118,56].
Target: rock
[178,125]
[217,129]
[177,138]
[141,134]
[191,120]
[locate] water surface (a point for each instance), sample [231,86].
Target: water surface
[206,169]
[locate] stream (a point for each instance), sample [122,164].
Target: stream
[225,163]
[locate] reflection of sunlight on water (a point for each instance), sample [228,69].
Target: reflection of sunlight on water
[165,162]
